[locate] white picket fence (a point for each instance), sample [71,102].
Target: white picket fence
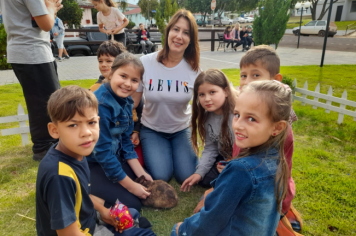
[24,130]
[329,99]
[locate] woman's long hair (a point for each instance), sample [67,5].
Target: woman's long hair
[199,115]
[192,52]
[278,101]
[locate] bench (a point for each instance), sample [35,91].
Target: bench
[222,42]
[134,46]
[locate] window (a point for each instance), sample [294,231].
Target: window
[99,36]
[353,6]
[321,23]
[311,23]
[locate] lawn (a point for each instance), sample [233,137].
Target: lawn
[324,163]
[294,22]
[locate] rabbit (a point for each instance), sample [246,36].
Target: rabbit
[162,195]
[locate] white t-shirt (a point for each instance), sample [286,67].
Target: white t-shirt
[167,94]
[113,20]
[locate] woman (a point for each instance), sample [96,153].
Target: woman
[58,35]
[168,87]
[235,35]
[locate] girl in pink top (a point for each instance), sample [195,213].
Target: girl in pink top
[227,35]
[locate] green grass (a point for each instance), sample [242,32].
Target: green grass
[324,163]
[294,22]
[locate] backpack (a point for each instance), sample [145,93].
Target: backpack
[291,224]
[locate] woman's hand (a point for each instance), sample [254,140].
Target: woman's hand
[139,191]
[135,139]
[220,167]
[192,180]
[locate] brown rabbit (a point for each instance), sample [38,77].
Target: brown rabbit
[162,195]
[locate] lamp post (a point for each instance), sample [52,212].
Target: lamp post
[326,33]
[300,7]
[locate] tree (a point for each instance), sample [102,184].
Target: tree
[147,6]
[123,5]
[324,10]
[71,13]
[270,26]
[3,44]
[201,6]
[94,13]
[167,10]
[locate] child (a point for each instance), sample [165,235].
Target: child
[227,35]
[235,35]
[64,205]
[212,117]
[248,194]
[112,19]
[58,34]
[262,63]
[249,37]
[106,54]
[113,163]
[27,23]
[243,37]
[143,37]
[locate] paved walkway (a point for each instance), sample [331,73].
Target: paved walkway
[87,67]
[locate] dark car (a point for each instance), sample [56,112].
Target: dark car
[75,48]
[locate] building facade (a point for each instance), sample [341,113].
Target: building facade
[343,10]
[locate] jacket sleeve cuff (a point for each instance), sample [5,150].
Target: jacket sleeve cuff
[117,178]
[130,155]
[202,172]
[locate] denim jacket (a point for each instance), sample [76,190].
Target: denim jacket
[243,202]
[116,126]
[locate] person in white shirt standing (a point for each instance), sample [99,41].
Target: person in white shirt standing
[110,20]
[168,87]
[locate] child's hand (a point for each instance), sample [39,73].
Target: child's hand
[178,225]
[139,190]
[53,6]
[220,167]
[135,139]
[148,177]
[55,34]
[192,180]
[105,216]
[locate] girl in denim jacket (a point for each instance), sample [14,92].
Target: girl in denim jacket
[113,163]
[248,194]
[212,116]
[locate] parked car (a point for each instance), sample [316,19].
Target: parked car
[238,20]
[249,19]
[224,21]
[201,23]
[316,27]
[73,46]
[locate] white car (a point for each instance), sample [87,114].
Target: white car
[249,19]
[316,27]
[224,21]
[238,20]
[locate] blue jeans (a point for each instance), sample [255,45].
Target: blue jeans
[168,154]
[174,230]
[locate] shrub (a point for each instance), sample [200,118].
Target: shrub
[131,25]
[288,81]
[3,43]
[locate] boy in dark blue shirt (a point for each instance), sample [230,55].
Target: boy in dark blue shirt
[64,205]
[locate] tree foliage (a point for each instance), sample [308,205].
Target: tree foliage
[123,4]
[3,44]
[270,26]
[162,18]
[324,10]
[147,6]
[199,6]
[94,13]
[167,10]
[71,13]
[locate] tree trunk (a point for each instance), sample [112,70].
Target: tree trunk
[313,9]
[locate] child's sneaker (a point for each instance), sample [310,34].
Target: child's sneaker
[66,57]
[59,59]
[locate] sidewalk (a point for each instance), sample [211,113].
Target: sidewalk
[87,67]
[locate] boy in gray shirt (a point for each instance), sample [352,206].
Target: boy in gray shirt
[27,23]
